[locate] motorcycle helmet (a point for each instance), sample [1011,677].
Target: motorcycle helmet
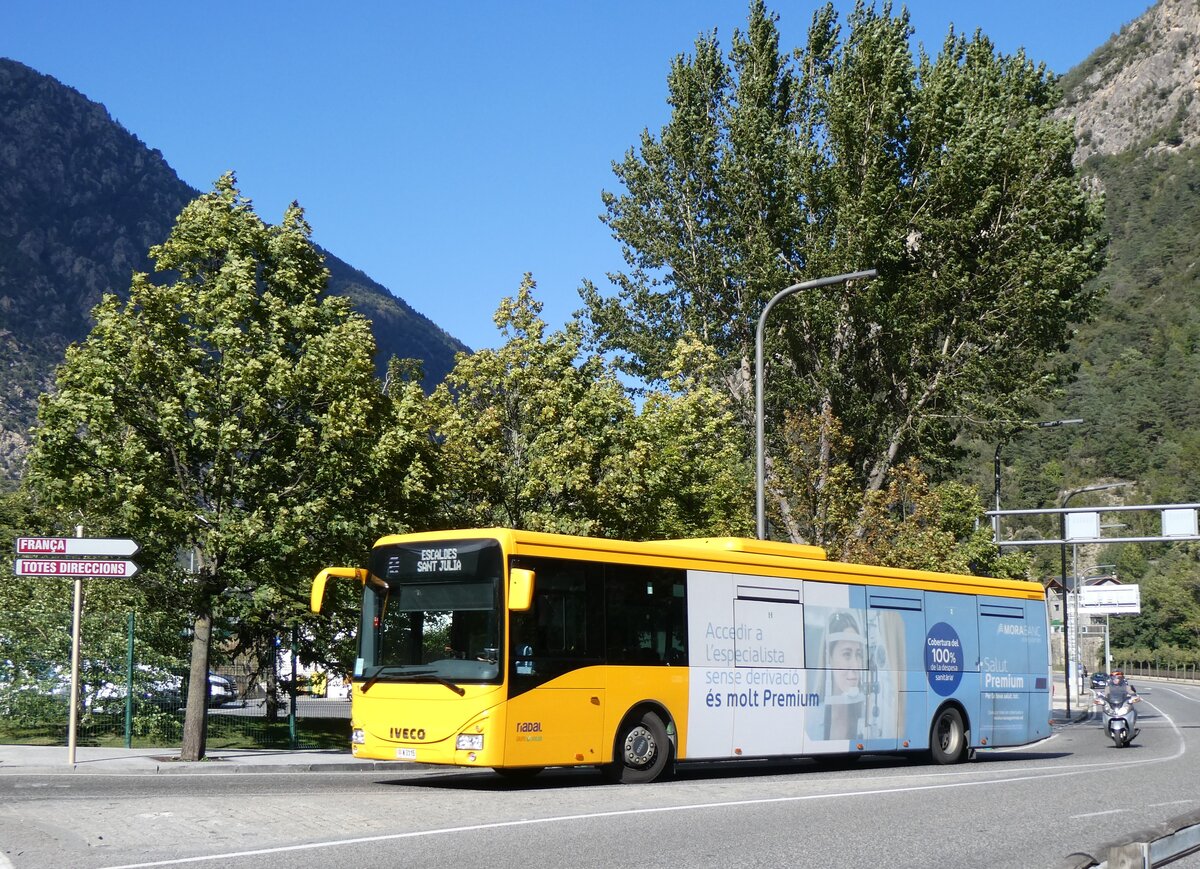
[1116,677]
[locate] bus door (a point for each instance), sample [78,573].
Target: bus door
[768,702]
[1008,634]
[556,684]
[951,652]
[837,667]
[1038,643]
[896,684]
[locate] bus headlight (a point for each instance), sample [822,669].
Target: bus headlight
[357,737]
[469,742]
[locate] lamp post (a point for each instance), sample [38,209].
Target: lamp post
[1067,622]
[1112,574]
[1051,423]
[760,465]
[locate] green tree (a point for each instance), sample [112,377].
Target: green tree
[1170,598]
[907,523]
[34,619]
[528,436]
[910,523]
[946,173]
[536,435]
[687,473]
[232,412]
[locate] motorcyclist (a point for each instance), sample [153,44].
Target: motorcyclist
[1118,690]
[1117,694]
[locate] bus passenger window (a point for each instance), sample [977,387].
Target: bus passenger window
[560,631]
[645,616]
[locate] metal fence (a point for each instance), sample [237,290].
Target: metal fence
[1183,672]
[134,697]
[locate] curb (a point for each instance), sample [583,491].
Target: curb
[224,768]
[213,765]
[1076,718]
[201,768]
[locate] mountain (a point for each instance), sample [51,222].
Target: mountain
[1136,102]
[1140,91]
[1136,107]
[81,202]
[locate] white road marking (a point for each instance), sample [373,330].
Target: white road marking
[498,825]
[1049,772]
[1178,694]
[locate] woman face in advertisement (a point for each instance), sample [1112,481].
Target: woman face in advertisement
[846,654]
[847,659]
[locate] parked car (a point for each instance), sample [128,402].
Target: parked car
[165,689]
[221,690]
[1099,680]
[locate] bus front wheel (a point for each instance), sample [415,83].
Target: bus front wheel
[642,750]
[948,738]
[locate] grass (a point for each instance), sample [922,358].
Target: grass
[164,730]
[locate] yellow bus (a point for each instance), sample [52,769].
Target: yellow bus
[517,650]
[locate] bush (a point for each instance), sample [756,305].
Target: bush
[157,726]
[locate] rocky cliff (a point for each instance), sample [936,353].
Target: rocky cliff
[1142,87]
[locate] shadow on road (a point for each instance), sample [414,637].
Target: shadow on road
[488,780]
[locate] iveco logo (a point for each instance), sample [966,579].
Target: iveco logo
[408,733]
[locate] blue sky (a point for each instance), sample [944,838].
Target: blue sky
[443,148]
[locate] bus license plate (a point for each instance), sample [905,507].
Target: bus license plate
[406,754]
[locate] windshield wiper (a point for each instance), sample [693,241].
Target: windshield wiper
[379,671]
[460,691]
[401,675]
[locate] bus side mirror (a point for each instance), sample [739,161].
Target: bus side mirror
[520,588]
[318,587]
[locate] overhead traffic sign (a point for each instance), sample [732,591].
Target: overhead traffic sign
[76,567]
[76,546]
[1110,599]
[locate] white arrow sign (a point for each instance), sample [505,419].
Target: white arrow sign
[78,567]
[76,546]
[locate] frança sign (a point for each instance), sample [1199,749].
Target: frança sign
[76,546]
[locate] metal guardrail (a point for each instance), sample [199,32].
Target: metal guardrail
[1159,845]
[1170,672]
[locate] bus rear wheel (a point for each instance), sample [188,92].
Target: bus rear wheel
[642,750]
[948,737]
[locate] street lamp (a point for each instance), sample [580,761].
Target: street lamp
[1052,423]
[1067,623]
[759,452]
[1112,568]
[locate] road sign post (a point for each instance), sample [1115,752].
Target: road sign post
[112,561]
[76,636]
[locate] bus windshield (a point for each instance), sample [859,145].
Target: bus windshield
[432,613]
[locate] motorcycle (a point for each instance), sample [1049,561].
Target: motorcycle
[1120,718]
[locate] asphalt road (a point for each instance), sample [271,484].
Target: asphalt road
[1018,808]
